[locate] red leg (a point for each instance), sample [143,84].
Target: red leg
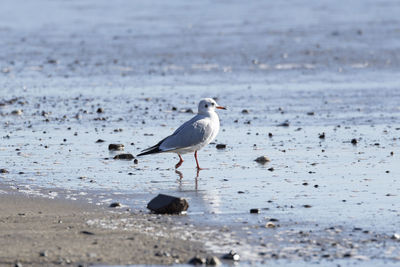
[179,163]
[197,161]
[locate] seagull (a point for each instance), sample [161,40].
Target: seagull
[192,135]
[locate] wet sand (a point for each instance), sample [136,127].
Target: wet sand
[37,231]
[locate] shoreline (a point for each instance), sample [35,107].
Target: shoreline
[36,230]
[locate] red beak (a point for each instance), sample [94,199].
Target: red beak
[219,107]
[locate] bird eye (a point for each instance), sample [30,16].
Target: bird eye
[212,104]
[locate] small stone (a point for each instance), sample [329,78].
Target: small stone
[135,161]
[3,171]
[271,169]
[197,260]
[87,233]
[212,260]
[43,254]
[354,141]
[262,159]
[100,141]
[270,135]
[255,211]
[245,111]
[284,124]
[116,147]
[115,204]
[322,136]
[310,113]
[307,206]
[100,110]
[165,204]
[395,236]
[126,156]
[220,146]
[17,112]
[231,256]
[270,225]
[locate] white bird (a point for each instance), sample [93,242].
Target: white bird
[192,135]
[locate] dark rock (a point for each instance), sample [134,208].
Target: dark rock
[115,204]
[135,161]
[245,111]
[126,156]
[310,113]
[322,136]
[100,141]
[255,211]
[87,233]
[240,192]
[270,135]
[220,146]
[271,169]
[307,206]
[262,160]
[197,260]
[43,254]
[284,124]
[115,147]
[100,110]
[395,237]
[354,141]
[167,204]
[231,256]
[212,260]
[3,171]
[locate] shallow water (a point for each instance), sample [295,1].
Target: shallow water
[316,65]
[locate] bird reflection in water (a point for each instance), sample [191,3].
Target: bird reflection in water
[180,174]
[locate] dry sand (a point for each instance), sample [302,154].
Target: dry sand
[38,231]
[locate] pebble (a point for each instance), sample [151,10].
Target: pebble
[322,136]
[255,211]
[220,146]
[262,160]
[284,124]
[3,171]
[212,260]
[115,204]
[87,233]
[396,236]
[116,147]
[354,141]
[100,110]
[231,256]
[270,225]
[165,204]
[197,260]
[100,141]
[126,156]
[245,111]
[17,112]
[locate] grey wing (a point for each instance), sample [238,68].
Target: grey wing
[189,134]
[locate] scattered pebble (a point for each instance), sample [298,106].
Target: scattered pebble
[17,112]
[322,136]
[220,146]
[284,124]
[262,159]
[100,110]
[100,141]
[87,233]
[125,156]
[3,171]
[354,141]
[255,211]
[197,260]
[396,236]
[270,225]
[115,205]
[212,260]
[245,111]
[231,256]
[116,147]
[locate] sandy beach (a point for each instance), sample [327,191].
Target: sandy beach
[37,231]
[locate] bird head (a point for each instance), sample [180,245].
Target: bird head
[208,105]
